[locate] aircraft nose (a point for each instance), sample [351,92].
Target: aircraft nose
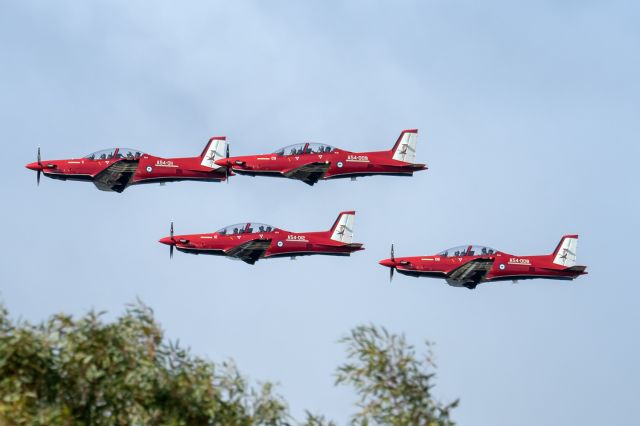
[221,162]
[388,263]
[34,166]
[167,240]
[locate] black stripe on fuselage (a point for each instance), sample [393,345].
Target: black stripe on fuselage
[211,252]
[62,176]
[427,274]
[304,253]
[175,179]
[272,173]
[531,277]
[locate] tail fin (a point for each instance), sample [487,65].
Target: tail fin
[216,149]
[342,229]
[565,252]
[405,147]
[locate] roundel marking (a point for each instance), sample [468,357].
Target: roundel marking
[149,169]
[339,164]
[280,243]
[502,267]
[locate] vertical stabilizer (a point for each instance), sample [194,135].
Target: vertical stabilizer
[405,147]
[342,229]
[565,253]
[215,150]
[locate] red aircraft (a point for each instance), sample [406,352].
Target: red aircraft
[252,241]
[469,265]
[310,162]
[117,168]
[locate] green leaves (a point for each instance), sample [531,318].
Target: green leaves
[89,372]
[393,385]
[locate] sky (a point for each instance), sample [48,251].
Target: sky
[528,118]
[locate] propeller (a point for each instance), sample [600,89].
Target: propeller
[226,170]
[171,246]
[393,268]
[40,169]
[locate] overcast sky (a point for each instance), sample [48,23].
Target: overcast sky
[528,116]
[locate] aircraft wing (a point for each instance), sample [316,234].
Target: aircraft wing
[117,176]
[250,251]
[471,272]
[309,173]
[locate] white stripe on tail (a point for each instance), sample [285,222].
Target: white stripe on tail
[342,229]
[565,253]
[215,150]
[405,147]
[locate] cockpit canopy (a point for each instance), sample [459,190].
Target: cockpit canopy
[246,228]
[467,251]
[108,154]
[305,148]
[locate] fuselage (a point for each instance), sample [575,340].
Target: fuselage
[116,171]
[467,270]
[341,163]
[281,243]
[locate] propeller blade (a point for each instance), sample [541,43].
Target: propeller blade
[226,169]
[171,252]
[171,230]
[392,256]
[39,164]
[391,273]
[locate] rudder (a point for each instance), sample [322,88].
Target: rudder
[342,229]
[566,252]
[405,147]
[216,149]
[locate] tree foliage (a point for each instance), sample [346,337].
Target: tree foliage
[393,384]
[88,371]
